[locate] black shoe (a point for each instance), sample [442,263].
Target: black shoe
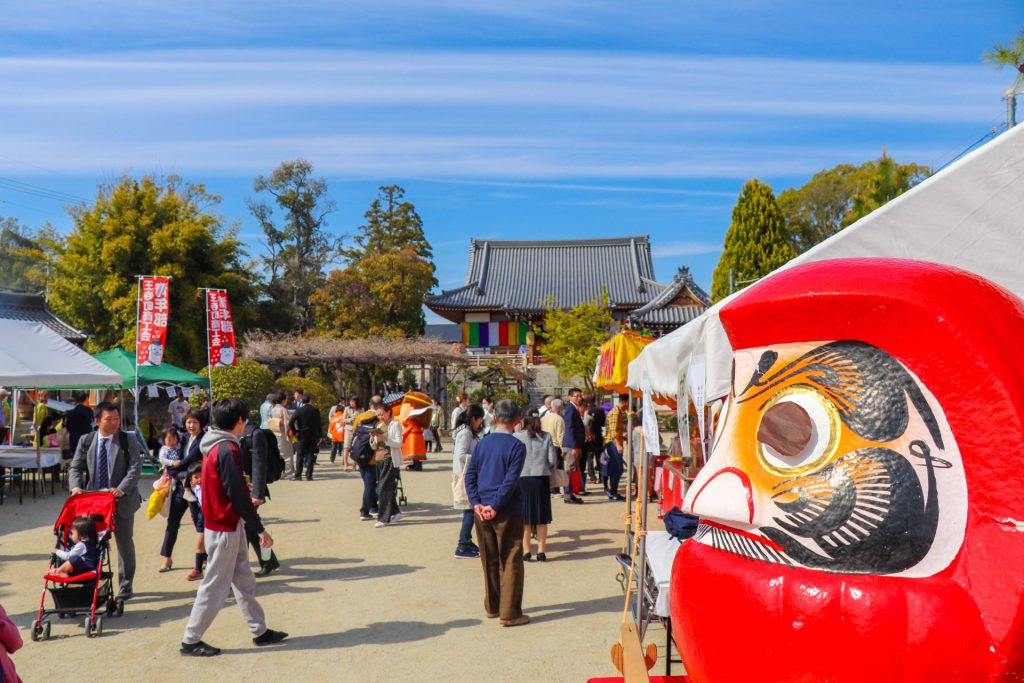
[309,478]
[269,568]
[527,557]
[332,458]
[199,649]
[572,501]
[269,637]
[541,557]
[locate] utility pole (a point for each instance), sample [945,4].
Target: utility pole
[1011,108]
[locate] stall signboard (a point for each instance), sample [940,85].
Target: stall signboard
[220,328]
[154,309]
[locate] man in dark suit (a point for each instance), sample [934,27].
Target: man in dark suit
[78,421]
[108,460]
[306,425]
[573,442]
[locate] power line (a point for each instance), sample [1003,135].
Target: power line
[29,208]
[998,127]
[39,191]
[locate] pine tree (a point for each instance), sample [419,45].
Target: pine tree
[757,241]
[390,269]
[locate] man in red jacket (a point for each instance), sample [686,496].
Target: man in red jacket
[226,506]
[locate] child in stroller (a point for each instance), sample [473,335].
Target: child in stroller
[79,579]
[84,556]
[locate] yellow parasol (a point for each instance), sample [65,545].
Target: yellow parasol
[614,358]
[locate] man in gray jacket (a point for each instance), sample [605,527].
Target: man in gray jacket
[108,460]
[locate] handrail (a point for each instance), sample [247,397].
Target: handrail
[678,472]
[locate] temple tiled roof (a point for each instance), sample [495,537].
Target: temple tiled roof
[33,308]
[658,311]
[520,275]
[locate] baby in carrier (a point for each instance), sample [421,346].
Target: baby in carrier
[84,555]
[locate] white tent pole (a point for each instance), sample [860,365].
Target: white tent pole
[628,457]
[209,368]
[642,552]
[37,428]
[138,308]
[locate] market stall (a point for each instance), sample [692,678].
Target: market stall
[36,357]
[642,565]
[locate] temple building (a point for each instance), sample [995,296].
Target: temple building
[32,307]
[508,283]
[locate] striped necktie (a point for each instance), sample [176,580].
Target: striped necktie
[102,467]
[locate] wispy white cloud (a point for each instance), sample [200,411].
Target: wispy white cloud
[491,116]
[670,249]
[573,81]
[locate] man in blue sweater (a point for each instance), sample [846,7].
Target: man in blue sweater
[573,441]
[492,484]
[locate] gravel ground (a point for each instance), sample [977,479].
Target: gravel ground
[361,604]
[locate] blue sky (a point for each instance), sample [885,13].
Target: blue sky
[558,119]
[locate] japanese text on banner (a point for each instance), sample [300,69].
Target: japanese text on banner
[154,309]
[221,328]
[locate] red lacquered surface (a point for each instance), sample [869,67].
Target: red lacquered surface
[738,619]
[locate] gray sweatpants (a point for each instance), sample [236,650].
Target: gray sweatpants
[227,567]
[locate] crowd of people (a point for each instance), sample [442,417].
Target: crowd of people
[508,464]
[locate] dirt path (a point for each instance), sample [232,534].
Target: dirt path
[361,604]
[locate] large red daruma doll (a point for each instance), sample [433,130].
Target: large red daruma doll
[862,511]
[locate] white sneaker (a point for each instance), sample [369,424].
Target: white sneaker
[380,524]
[397,517]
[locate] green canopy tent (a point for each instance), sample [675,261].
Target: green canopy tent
[166,375]
[123,363]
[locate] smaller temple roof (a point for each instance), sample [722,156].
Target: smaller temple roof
[15,305]
[660,311]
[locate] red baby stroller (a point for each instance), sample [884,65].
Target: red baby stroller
[75,596]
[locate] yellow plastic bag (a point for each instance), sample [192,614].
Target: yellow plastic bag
[157,499]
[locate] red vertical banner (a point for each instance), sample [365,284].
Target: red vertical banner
[221,328]
[154,309]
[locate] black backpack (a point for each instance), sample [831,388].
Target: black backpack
[275,463]
[362,451]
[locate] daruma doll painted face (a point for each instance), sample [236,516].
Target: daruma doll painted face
[862,511]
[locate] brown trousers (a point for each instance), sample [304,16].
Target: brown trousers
[501,552]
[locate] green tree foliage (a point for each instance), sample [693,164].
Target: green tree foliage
[149,226]
[392,224]
[572,337]
[389,271]
[248,380]
[756,243]
[28,257]
[1009,55]
[837,197]
[299,246]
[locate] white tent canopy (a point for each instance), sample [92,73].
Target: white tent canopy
[32,355]
[969,215]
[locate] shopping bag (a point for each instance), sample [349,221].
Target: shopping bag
[558,478]
[160,495]
[459,495]
[577,483]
